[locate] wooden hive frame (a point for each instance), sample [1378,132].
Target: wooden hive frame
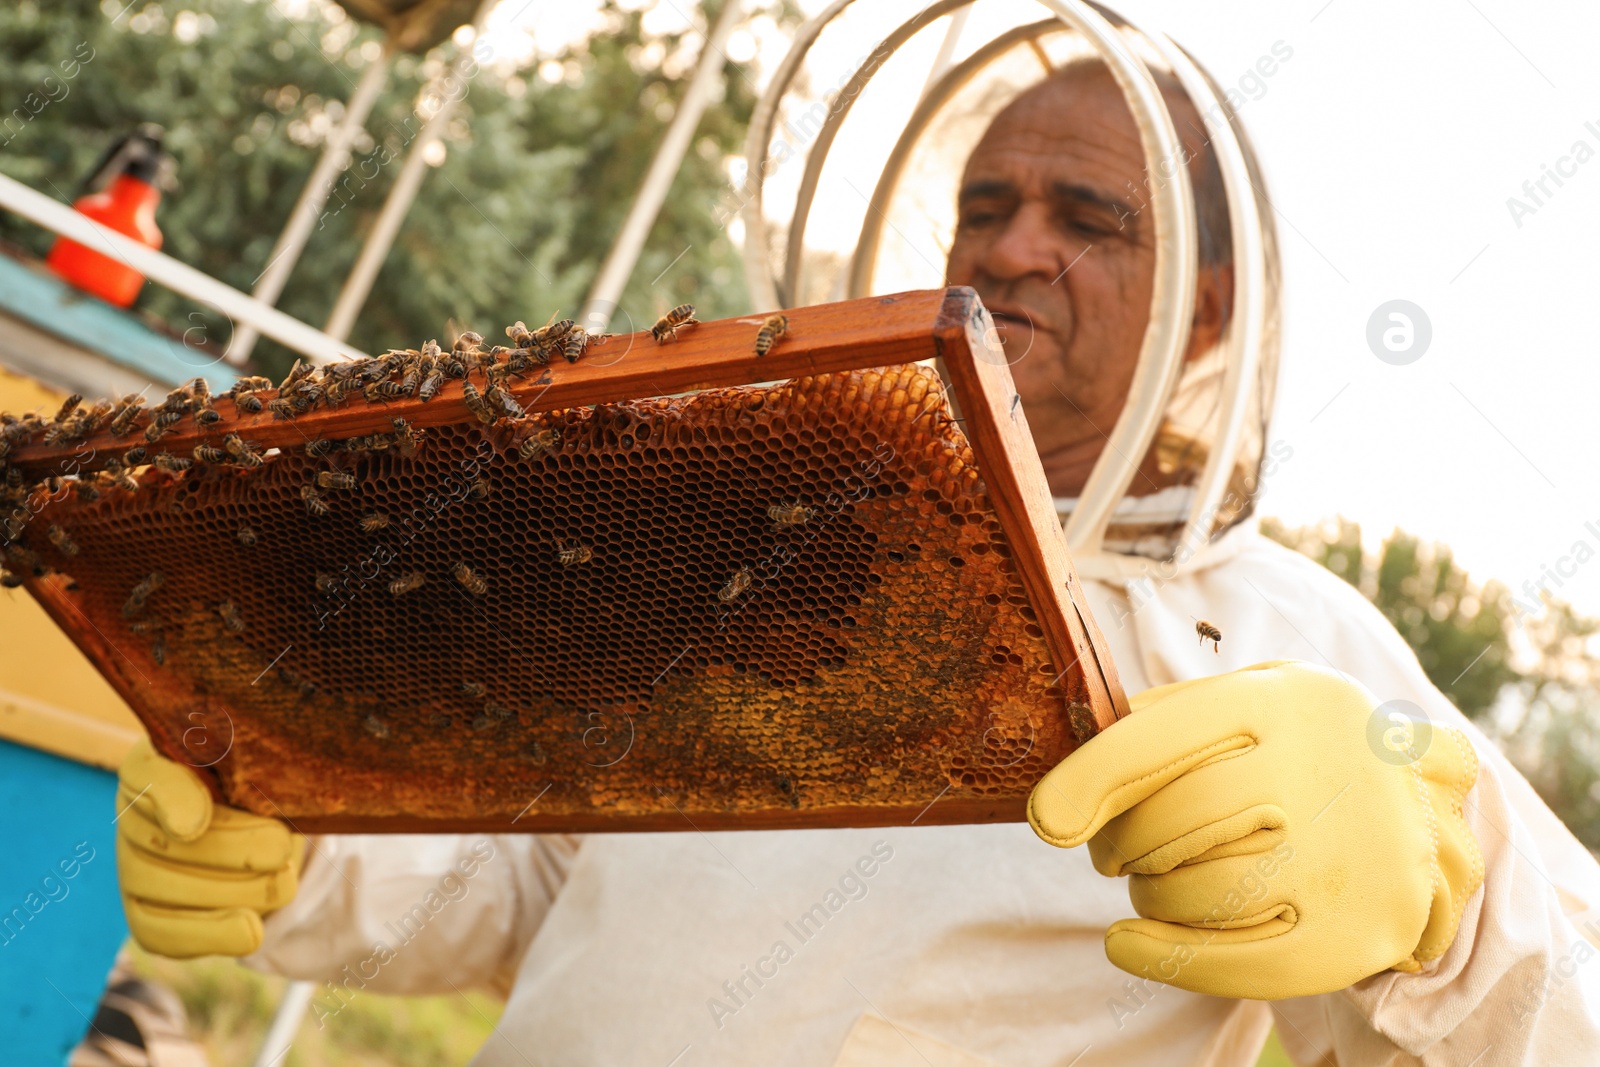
[948,325]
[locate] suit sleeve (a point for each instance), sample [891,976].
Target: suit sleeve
[414,914]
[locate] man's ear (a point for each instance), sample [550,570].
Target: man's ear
[1213,301]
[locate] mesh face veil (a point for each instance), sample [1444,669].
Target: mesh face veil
[1198,416]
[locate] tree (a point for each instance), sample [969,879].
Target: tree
[541,160]
[1532,683]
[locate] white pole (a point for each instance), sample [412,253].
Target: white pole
[179,277]
[335,158]
[947,48]
[358,286]
[624,255]
[285,1023]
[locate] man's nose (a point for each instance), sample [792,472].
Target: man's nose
[1028,245]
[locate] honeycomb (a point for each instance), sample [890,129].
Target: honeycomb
[780,605]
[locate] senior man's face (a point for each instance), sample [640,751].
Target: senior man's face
[1051,234]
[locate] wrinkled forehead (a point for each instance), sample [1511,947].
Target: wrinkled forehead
[1072,127]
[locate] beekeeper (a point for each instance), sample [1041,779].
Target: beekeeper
[1310,834]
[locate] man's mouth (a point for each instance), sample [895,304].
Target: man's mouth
[1013,322]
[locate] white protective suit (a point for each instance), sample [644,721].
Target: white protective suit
[950,946]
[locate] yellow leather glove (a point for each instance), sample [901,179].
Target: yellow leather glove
[196,877]
[1282,837]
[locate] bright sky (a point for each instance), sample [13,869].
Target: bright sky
[1391,140]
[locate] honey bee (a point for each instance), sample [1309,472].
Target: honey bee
[736,585]
[241,451]
[574,553]
[141,593]
[59,538]
[207,416]
[122,422]
[326,583]
[164,419]
[497,711]
[1209,632]
[122,480]
[313,499]
[135,456]
[281,408]
[230,617]
[467,340]
[246,535]
[210,454]
[775,327]
[336,480]
[432,378]
[519,334]
[667,326]
[301,369]
[787,514]
[472,583]
[475,689]
[407,583]
[336,392]
[479,489]
[497,397]
[476,404]
[8,580]
[380,392]
[158,649]
[539,442]
[376,727]
[573,344]
[68,406]
[87,492]
[172,464]
[154,432]
[373,521]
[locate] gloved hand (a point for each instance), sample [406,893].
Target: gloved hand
[196,877]
[1272,849]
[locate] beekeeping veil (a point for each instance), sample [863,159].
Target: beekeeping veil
[1204,417]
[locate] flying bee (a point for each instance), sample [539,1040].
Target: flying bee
[313,499]
[246,536]
[467,341]
[539,442]
[59,538]
[1209,632]
[471,582]
[574,553]
[736,585]
[320,447]
[475,689]
[775,327]
[573,344]
[230,616]
[69,405]
[172,464]
[408,583]
[667,326]
[141,593]
[476,404]
[787,514]
[210,454]
[373,521]
[336,480]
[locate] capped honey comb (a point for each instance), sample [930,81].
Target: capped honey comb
[793,604]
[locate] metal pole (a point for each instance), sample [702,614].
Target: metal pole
[358,286]
[624,254]
[947,48]
[179,277]
[285,1023]
[292,241]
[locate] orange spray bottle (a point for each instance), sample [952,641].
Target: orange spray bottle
[122,193]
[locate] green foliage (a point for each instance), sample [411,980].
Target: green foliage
[1532,682]
[540,166]
[1458,630]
